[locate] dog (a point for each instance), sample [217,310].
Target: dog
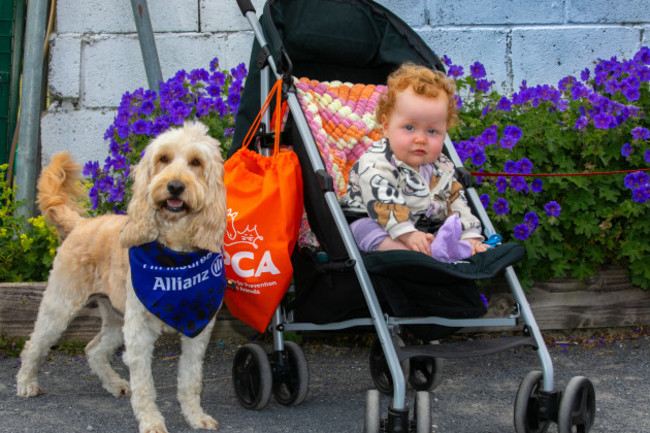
[178,203]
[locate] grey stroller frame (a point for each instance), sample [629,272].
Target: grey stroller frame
[284,371]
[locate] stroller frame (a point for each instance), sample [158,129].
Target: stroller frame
[536,393]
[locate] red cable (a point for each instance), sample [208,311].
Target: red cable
[597,173]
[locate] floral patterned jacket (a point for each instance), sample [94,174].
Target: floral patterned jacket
[399,197]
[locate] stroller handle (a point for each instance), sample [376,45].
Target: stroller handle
[245,6]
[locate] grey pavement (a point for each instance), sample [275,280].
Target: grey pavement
[476,394]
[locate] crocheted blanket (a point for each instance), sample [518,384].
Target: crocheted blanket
[341,117]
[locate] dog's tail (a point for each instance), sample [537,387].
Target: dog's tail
[59,192]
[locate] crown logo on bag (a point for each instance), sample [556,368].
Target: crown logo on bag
[247,236]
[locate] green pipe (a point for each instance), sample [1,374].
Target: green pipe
[147,43]
[30,109]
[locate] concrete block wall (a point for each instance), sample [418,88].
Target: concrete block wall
[95,56]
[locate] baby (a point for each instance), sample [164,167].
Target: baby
[404,183]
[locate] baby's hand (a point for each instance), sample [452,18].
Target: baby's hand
[477,245]
[417,241]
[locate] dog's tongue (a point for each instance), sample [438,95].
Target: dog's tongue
[174,203]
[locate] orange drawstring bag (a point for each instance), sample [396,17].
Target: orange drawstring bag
[264,198]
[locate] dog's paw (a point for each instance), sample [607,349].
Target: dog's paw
[204,422]
[120,388]
[153,428]
[29,389]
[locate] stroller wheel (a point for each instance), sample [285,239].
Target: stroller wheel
[425,373]
[379,370]
[422,413]
[372,420]
[577,407]
[251,377]
[527,408]
[291,376]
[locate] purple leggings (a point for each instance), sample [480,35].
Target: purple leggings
[446,247]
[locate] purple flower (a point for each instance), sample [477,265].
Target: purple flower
[501,184]
[456,71]
[119,162]
[147,107]
[203,107]
[524,166]
[512,131]
[482,85]
[510,167]
[507,142]
[91,169]
[213,90]
[105,183]
[519,184]
[581,123]
[197,75]
[532,221]
[459,102]
[239,73]
[584,75]
[630,180]
[537,186]
[116,193]
[477,70]
[160,125]
[641,194]
[626,149]
[446,60]
[485,200]
[233,101]
[214,64]
[521,232]
[565,83]
[603,120]
[479,158]
[178,111]
[611,86]
[489,136]
[501,206]
[141,126]
[630,88]
[504,104]
[642,178]
[640,133]
[93,194]
[646,156]
[123,131]
[643,56]
[218,79]
[552,209]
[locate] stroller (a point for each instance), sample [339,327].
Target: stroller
[336,287]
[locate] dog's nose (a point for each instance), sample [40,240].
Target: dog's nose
[175,187]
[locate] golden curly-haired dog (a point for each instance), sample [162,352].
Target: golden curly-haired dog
[179,200]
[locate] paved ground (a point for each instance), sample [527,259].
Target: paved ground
[476,394]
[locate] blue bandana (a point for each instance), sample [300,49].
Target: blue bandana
[184,290]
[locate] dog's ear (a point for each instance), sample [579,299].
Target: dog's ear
[209,226]
[141,226]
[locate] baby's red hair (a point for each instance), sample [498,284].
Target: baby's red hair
[425,82]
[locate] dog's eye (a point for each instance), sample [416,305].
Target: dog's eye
[163,159]
[196,162]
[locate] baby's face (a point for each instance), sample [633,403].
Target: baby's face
[417,127]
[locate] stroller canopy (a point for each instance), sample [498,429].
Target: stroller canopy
[357,41]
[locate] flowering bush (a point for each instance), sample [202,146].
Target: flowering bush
[26,249]
[212,96]
[577,219]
